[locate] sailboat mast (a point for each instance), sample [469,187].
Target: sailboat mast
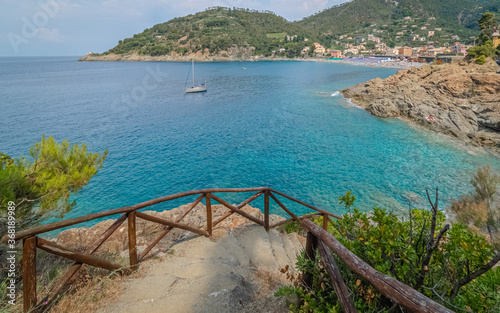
[193,71]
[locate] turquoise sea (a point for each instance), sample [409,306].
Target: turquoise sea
[277,124]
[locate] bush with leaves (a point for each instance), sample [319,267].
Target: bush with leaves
[421,251]
[480,209]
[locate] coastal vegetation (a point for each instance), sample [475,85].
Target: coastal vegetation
[41,186]
[243,33]
[450,263]
[488,22]
[213,31]
[386,19]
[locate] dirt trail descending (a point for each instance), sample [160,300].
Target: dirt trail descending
[236,271]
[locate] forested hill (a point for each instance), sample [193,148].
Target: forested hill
[214,30]
[385,18]
[244,33]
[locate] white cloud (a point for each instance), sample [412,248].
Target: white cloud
[98,24]
[52,35]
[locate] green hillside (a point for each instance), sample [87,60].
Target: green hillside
[386,18]
[241,32]
[213,31]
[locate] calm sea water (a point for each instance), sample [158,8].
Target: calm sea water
[260,124]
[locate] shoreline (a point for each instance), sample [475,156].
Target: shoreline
[141,58]
[382,63]
[460,98]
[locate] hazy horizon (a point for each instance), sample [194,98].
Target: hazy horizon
[73,28]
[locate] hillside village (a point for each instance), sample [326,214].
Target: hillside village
[419,41]
[360,27]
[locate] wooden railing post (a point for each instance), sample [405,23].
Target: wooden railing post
[266,210]
[337,281]
[132,241]
[29,273]
[311,246]
[209,214]
[325,222]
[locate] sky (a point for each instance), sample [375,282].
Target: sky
[75,27]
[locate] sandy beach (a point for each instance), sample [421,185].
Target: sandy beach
[379,63]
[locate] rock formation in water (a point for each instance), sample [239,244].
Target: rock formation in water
[461,99]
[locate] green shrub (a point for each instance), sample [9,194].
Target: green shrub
[481,60]
[396,247]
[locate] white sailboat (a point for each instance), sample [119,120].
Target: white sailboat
[195,88]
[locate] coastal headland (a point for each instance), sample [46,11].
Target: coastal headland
[461,100]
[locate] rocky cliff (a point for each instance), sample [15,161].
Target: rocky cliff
[461,99]
[233,53]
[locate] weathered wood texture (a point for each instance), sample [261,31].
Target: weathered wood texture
[266,210]
[208,206]
[158,220]
[391,288]
[56,249]
[29,273]
[241,205]
[169,228]
[77,220]
[311,246]
[338,282]
[295,218]
[132,241]
[31,242]
[77,265]
[292,219]
[304,204]
[236,210]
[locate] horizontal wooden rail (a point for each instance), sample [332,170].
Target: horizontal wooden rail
[77,265]
[77,220]
[77,256]
[388,286]
[31,241]
[155,219]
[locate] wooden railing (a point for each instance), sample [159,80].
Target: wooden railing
[402,294]
[32,241]
[317,239]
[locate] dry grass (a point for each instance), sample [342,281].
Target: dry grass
[90,294]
